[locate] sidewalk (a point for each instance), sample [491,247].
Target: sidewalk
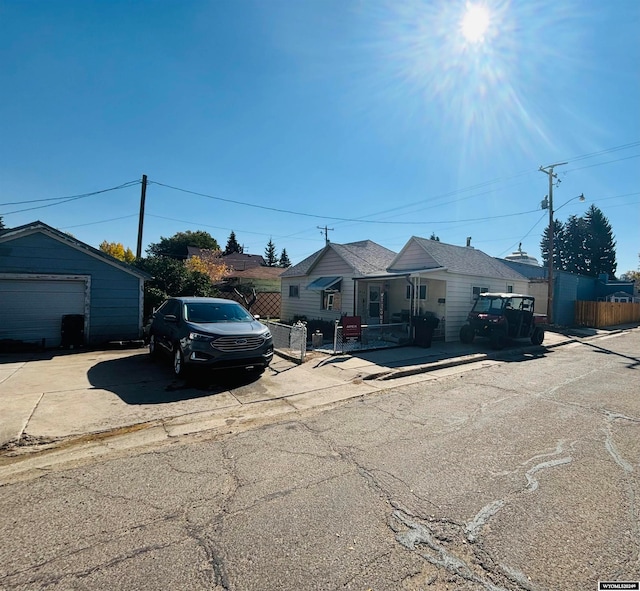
[57,404]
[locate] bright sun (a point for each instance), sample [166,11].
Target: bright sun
[475,23]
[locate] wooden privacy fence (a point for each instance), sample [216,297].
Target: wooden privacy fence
[601,314]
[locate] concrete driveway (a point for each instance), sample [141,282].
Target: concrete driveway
[49,396]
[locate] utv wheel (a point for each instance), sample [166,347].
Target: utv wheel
[498,340]
[467,334]
[153,347]
[179,369]
[537,337]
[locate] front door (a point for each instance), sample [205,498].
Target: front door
[374,305]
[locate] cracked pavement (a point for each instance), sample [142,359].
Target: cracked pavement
[522,475]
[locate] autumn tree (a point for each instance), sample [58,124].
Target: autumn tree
[284,259]
[210,263]
[270,254]
[176,245]
[118,251]
[233,245]
[172,277]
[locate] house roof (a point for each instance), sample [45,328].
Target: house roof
[240,261]
[364,257]
[40,227]
[460,259]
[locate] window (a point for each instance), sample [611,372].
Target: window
[509,288]
[422,292]
[477,291]
[331,300]
[294,291]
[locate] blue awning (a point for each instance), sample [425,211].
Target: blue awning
[324,283]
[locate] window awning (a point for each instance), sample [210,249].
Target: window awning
[323,283]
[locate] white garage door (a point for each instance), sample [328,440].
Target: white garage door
[32,309]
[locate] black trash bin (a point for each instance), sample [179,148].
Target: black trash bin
[72,332]
[423,327]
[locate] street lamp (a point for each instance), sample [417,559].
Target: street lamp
[549,204]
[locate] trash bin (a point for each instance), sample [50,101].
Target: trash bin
[423,327]
[317,338]
[72,332]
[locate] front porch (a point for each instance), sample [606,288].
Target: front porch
[396,300]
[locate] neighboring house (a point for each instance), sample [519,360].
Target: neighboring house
[322,286]
[570,288]
[46,274]
[241,262]
[251,272]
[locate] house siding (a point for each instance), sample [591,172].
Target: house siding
[459,298]
[115,295]
[414,257]
[309,302]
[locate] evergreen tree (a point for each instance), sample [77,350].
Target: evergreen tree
[584,245]
[558,240]
[574,253]
[600,246]
[1,223]
[233,245]
[284,259]
[270,254]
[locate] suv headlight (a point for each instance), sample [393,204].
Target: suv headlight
[266,335]
[196,336]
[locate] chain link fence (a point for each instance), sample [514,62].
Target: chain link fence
[289,341]
[374,336]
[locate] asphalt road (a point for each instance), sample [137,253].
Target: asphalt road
[520,475]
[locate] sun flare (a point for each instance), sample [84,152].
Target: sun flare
[475,22]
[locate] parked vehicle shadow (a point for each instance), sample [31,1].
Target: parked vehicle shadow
[136,379]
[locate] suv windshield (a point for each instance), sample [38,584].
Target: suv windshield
[489,306]
[207,312]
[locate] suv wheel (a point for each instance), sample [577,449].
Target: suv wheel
[179,368]
[498,339]
[537,337]
[153,347]
[467,334]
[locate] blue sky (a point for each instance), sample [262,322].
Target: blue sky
[379,119]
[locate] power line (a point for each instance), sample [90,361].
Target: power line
[61,200]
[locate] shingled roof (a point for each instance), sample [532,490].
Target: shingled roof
[461,259]
[365,257]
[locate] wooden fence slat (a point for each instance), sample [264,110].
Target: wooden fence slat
[601,314]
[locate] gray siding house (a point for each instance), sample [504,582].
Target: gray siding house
[367,280]
[46,274]
[428,276]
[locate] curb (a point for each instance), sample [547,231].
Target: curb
[463,360]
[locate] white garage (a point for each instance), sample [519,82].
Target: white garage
[33,306]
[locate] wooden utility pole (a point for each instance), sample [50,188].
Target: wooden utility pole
[549,172]
[326,233]
[143,195]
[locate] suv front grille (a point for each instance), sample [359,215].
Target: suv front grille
[229,344]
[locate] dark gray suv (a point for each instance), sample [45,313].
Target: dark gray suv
[209,332]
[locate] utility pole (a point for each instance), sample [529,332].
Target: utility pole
[326,233]
[143,195]
[548,170]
